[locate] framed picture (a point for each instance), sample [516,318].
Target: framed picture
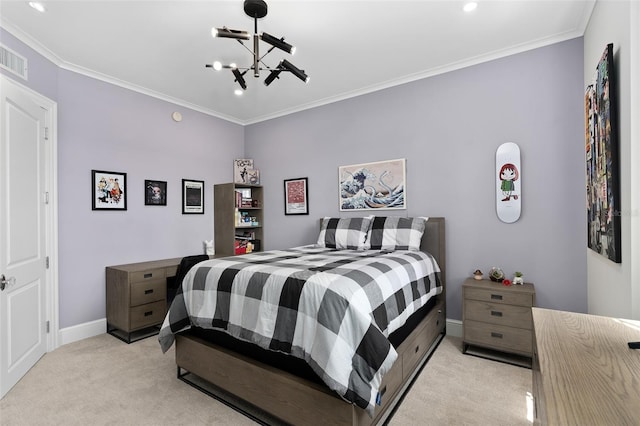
[241,166]
[373,186]
[155,193]
[253,176]
[108,190]
[602,160]
[192,196]
[296,196]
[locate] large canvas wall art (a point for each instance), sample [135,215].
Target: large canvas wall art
[602,160]
[373,186]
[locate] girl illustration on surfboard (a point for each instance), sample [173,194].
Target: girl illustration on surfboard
[508,175]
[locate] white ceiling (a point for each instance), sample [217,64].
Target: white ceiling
[347,47]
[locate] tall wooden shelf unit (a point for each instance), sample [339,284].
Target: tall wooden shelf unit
[224,216]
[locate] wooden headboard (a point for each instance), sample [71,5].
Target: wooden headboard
[433,241]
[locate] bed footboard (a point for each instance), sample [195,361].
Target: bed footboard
[298,401]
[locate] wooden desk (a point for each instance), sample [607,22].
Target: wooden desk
[583,370]
[137,297]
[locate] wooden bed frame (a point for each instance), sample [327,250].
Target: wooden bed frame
[286,398]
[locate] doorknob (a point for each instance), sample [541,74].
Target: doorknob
[5,282]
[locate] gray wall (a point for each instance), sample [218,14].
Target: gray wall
[105,127]
[448,128]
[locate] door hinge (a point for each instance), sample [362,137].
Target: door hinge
[46,198]
[46,133]
[47,327]
[47,262]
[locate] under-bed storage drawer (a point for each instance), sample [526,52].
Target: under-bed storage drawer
[417,346]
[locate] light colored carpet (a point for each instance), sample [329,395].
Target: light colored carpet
[103,381]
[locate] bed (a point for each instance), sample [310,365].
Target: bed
[331,333]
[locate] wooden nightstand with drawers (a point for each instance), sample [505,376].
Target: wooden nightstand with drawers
[497,321]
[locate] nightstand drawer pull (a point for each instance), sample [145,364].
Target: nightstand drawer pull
[496,335]
[496,313]
[496,297]
[148,275]
[149,313]
[149,291]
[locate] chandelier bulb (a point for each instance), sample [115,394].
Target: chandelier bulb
[217,65]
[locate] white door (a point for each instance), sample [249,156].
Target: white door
[23,233]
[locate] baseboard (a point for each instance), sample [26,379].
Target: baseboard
[82,331]
[454,328]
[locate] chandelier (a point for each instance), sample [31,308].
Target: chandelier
[257,9]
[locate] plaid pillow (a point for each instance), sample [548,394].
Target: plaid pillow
[347,233]
[396,233]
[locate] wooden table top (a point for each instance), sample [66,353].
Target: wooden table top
[589,374]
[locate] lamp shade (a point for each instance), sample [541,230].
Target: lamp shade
[225,32]
[294,70]
[276,42]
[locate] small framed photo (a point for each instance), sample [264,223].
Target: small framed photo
[192,196]
[240,168]
[108,190]
[155,193]
[296,196]
[253,176]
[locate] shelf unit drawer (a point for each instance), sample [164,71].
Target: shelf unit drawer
[500,314]
[498,296]
[510,339]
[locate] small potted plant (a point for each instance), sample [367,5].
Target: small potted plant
[496,274]
[518,278]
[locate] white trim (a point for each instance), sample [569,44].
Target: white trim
[51,172]
[454,328]
[634,132]
[82,331]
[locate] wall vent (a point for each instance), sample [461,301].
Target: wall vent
[12,62]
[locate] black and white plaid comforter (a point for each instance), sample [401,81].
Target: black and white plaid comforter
[332,308]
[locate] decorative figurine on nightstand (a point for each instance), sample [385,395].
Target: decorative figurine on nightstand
[477,274]
[506,282]
[496,274]
[518,278]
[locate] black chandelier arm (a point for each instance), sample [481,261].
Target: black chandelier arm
[258,9]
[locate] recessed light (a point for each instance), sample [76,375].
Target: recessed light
[470,6]
[37,6]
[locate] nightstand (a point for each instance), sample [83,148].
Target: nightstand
[497,322]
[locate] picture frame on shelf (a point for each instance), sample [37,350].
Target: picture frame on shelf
[108,190]
[155,193]
[253,177]
[192,196]
[296,196]
[240,168]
